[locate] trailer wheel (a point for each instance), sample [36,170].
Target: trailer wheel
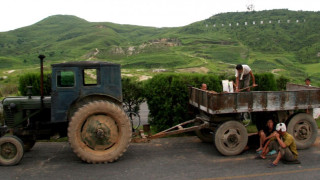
[99,132]
[230,138]
[304,130]
[11,150]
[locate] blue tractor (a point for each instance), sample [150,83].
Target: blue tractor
[85,105]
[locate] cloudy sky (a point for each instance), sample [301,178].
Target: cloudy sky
[157,13]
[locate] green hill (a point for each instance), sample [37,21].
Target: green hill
[279,41]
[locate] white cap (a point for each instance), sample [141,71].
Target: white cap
[281,127]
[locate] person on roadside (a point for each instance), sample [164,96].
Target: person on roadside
[285,146]
[204,87]
[265,134]
[243,74]
[308,81]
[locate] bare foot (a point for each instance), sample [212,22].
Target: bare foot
[260,157]
[260,149]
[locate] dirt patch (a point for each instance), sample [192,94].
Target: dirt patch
[194,70]
[143,78]
[91,74]
[9,72]
[274,71]
[127,75]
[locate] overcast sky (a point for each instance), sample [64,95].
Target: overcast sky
[157,13]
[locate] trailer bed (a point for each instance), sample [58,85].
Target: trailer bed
[254,101]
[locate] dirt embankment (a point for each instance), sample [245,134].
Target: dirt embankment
[194,70]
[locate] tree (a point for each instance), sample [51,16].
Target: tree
[133,94]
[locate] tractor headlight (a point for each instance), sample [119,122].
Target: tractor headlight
[12,106]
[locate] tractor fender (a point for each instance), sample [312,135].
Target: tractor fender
[78,103]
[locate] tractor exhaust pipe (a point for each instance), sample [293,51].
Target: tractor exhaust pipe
[41,57]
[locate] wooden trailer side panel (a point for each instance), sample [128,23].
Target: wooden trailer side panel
[254,101]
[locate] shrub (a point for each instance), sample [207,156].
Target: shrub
[266,82]
[33,79]
[133,94]
[281,83]
[167,97]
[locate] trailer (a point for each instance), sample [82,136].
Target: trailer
[223,114]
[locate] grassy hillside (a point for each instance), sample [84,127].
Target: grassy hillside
[286,48]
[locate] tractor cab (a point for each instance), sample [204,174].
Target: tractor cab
[73,83]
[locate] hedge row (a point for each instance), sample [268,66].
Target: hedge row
[166,94]
[132,93]
[167,97]
[33,79]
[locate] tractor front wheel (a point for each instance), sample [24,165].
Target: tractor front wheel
[11,150]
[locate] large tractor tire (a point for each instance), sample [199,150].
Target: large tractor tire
[11,150]
[304,130]
[99,132]
[230,138]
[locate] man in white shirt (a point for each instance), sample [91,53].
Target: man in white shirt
[243,74]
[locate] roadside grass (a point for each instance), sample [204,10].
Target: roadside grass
[252,128]
[311,67]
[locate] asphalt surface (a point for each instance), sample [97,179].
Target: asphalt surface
[165,158]
[175,158]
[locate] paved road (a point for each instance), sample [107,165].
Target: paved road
[166,158]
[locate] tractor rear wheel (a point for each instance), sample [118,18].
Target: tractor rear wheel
[99,132]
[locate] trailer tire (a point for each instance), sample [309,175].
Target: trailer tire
[11,150]
[99,132]
[304,130]
[230,138]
